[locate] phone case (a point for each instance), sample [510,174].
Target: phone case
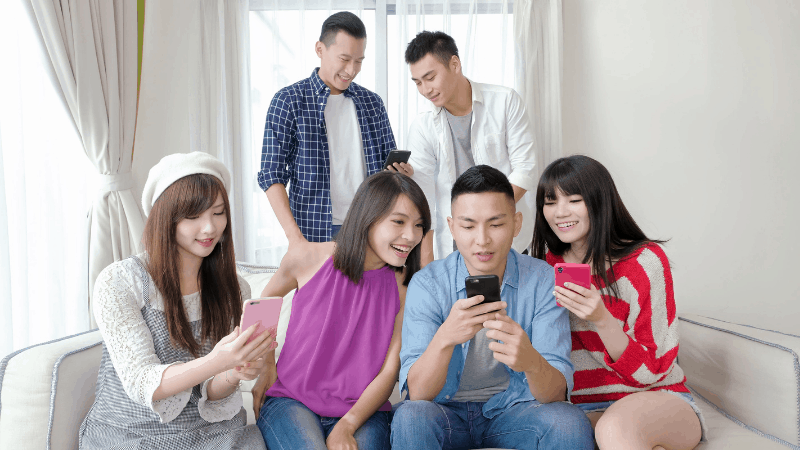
[267,310]
[486,285]
[580,274]
[397,156]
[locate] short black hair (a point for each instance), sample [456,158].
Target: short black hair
[439,43]
[479,179]
[341,21]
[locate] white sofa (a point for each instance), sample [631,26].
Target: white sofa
[746,381]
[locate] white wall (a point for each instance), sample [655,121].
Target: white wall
[693,106]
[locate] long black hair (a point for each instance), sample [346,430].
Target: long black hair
[613,234]
[373,201]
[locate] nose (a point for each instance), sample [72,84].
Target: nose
[561,209]
[482,238]
[412,233]
[209,227]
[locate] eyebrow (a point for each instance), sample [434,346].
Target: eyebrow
[221,204]
[426,74]
[468,219]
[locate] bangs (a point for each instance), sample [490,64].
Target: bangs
[194,194]
[560,177]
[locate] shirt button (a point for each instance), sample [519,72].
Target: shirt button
[447,397]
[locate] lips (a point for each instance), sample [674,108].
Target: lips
[484,257]
[401,251]
[564,226]
[205,242]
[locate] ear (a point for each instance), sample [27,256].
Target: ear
[318,48]
[455,64]
[451,224]
[517,223]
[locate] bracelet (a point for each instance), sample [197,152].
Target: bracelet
[229,381]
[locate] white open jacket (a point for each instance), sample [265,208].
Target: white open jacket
[501,136]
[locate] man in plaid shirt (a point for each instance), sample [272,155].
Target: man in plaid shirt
[323,136]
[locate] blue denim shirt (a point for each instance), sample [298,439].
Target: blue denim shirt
[528,285]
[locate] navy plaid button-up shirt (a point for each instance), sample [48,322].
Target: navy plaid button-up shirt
[295,149]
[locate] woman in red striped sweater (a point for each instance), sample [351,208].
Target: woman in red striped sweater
[624,329]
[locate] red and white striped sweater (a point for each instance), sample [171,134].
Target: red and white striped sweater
[646,312]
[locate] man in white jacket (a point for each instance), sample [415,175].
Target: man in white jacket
[469,124]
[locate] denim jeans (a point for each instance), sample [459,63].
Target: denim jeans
[287,424]
[422,424]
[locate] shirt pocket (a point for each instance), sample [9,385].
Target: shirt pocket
[494,148]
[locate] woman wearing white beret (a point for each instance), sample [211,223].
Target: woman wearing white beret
[172,358]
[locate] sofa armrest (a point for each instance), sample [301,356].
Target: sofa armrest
[750,375]
[46,391]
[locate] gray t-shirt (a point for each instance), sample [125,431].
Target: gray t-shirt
[462,146]
[483,375]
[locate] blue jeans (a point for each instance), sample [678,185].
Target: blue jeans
[422,424]
[287,424]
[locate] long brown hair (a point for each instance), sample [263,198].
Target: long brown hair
[221,298]
[373,201]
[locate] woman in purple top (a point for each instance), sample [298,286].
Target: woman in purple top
[341,357]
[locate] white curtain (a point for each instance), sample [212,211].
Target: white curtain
[92,46]
[194,93]
[45,193]
[538,33]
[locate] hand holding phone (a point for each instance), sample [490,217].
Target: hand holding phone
[580,274]
[267,310]
[396,156]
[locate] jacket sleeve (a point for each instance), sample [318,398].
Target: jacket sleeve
[520,142]
[652,325]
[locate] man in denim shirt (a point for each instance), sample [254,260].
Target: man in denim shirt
[491,375]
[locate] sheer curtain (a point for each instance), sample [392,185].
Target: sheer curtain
[538,34]
[195,56]
[92,46]
[45,193]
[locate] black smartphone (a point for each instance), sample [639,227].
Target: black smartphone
[486,285]
[397,156]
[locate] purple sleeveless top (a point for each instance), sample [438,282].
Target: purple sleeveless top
[337,339]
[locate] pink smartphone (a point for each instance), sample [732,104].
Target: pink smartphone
[267,310]
[580,274]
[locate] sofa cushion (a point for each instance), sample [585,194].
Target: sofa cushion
[748,374]
[46,391]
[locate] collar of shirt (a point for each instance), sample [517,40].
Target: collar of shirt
[321,89]
[477,96]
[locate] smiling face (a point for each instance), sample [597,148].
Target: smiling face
[434,80]
[341,61]
[484,226]
[393,237]
[197,236]
[568,218]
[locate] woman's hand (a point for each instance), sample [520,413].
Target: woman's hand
[233,350]
[341,437]
[264,382]
[584,303]
[252,369]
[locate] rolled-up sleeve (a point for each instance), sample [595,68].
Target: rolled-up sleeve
[550,330]
[421,320]
[520,142]
[278,149]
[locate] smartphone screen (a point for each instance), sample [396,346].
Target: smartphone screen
[267,310]
[486,285]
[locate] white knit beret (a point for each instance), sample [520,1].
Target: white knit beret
[172,168]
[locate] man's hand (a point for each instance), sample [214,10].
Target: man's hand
[466,318]
[516,350]
[404,168]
